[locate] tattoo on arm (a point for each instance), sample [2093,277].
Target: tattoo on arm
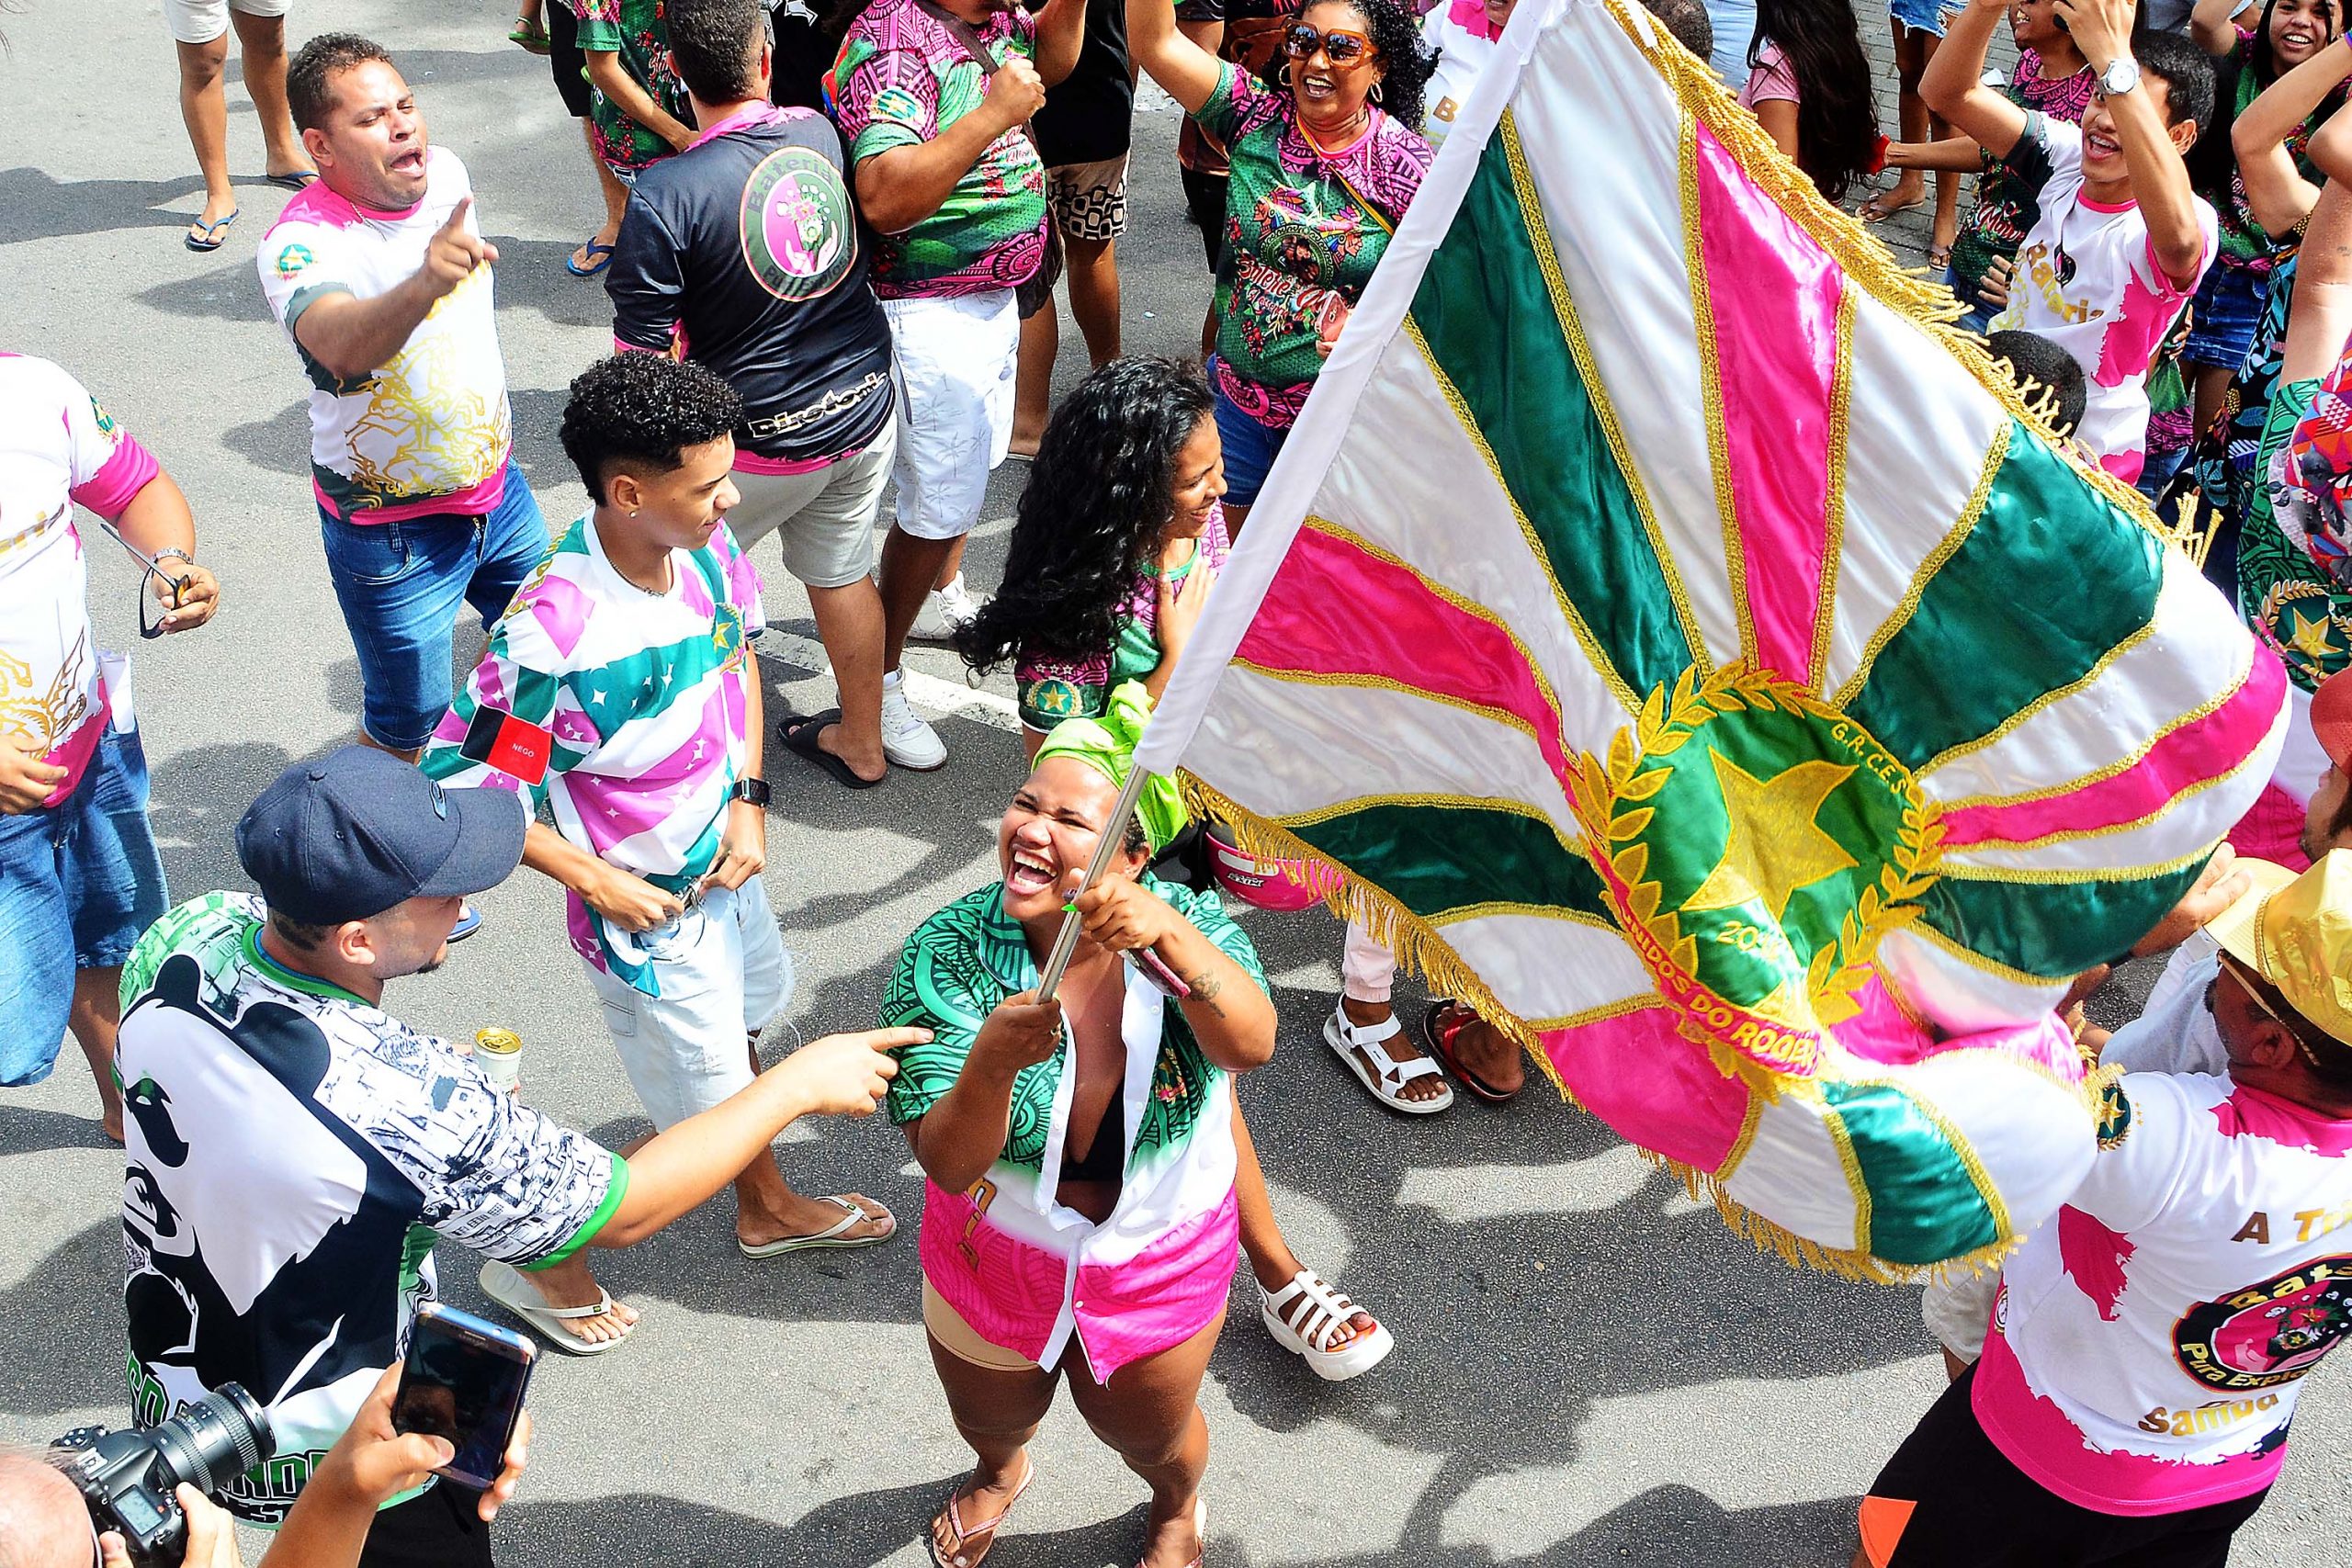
[1205,987]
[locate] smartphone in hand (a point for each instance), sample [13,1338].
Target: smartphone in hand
[463,1382]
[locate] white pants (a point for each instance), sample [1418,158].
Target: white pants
[723,974]
[953,361]
[1367,970]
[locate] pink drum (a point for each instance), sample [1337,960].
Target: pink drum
[1278,884]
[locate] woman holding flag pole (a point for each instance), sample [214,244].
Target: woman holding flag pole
[1074,1122]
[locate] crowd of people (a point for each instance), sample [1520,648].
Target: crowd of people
[830,242]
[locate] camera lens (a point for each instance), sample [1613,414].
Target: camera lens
[214,1440]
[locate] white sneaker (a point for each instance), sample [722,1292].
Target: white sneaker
[945,611]
[907,740]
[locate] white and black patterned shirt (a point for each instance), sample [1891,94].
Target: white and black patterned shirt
[292,1152]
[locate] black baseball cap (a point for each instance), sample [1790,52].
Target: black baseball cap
[349,836]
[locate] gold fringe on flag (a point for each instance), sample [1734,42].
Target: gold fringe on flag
[1419,949]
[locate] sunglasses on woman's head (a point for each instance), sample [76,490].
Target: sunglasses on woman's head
[1340,46]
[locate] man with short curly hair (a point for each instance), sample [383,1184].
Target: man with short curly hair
[621,690]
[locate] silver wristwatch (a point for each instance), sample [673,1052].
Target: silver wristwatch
[2123,74]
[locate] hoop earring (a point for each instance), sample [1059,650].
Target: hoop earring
[1282,76]
[1374,94]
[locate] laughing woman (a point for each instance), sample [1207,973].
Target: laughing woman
[1324,164]
[1079,1219]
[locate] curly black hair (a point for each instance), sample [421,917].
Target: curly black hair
[715,44]
[1406,63]
[643,411]
[1100,491]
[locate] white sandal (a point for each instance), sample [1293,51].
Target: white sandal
[835,1234]
[1326,1316]
[503,1283]
[1386,1077]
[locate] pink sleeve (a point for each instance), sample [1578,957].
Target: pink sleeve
[1773,78]
[109,465]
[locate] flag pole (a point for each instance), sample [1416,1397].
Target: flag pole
[1115,833]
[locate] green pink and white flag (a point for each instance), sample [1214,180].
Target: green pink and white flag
[1694,652]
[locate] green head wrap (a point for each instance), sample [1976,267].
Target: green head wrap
[1108,746]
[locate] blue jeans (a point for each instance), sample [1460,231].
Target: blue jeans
[1976,316]
[399,584]
[1251,448]
[78,882]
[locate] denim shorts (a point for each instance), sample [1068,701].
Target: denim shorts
[2229,307]
[399,584]
[1920,16]
[1250,447]
[79,882]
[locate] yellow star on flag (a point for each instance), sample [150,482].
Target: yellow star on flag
[2307,635]
[1775,846]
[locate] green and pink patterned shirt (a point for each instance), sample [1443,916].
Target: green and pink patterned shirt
[622,710]
[1301,225]
[900,80]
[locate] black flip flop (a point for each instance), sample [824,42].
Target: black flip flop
[294,179]
[1439,1042]
[799,738]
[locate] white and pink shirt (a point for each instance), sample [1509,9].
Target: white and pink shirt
[429,431]
[1458,34]
[624,711]
[57,449]
[2150,1339]
[2088,280]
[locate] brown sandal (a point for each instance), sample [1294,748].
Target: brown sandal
[1441,1027]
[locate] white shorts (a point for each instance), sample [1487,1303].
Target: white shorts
[1957,1310]
[723,974]
[954,367]
[201,21]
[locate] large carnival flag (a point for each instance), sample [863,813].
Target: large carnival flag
[1699,657]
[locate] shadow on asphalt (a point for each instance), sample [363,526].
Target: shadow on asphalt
[40,207]
[87,1268]
[872,1526]
[27,1131]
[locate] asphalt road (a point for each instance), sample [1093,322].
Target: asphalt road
[1590,1370]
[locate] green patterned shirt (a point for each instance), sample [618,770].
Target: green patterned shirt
[966,960]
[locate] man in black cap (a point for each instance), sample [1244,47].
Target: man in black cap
[293,1149]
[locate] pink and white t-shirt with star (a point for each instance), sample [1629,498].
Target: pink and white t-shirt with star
[57,449]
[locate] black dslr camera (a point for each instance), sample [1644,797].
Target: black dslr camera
[127,1478]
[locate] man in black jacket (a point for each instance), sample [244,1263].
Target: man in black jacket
[745,252]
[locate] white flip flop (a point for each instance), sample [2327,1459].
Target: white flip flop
[1386,1077]
[835,1234]
[1327,1315]
[503,1283]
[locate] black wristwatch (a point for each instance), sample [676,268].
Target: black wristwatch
[756,791]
